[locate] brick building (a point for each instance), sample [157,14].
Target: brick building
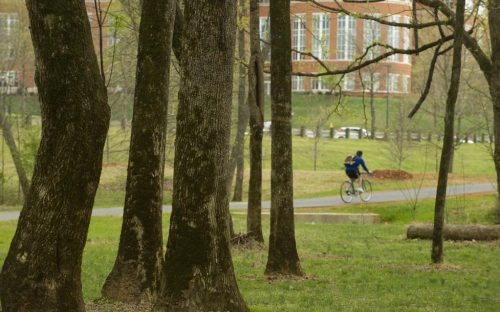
[337,39]
[16,55]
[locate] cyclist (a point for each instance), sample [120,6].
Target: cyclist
[352,168]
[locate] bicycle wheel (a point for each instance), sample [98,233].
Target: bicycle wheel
[346,191]
[366,195]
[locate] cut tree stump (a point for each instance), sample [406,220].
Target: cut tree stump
[456,232]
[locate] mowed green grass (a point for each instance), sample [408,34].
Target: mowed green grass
[349,267]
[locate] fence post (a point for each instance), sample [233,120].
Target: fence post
[360,133]
[429,137]
[331,132]
[483,138]
[347,133]
[302,131]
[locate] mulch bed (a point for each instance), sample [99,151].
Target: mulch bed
[392,175]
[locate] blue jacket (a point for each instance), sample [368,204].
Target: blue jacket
[355,166]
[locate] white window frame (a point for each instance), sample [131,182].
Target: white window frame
[346,37]
[405,84]
[371,34]
[367,81]
[318,85]
[297,83]
[406,40]
[321,35]
[393,83]
[393,37]
[298,36]
[348,82]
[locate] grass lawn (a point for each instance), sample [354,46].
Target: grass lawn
[349,267]
[472,163]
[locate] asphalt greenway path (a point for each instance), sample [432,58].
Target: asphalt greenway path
[377,197]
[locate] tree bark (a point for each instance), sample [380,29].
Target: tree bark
[373,125]
[136,273]
[14,152]
[494,86]
[456,232]
[256,108]
[283,257]
[198,271]
[237,159]
[437,240]
[43,265]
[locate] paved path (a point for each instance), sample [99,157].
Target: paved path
[386,196]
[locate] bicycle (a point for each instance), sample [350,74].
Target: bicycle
[348,190]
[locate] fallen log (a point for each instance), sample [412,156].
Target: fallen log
[456,232]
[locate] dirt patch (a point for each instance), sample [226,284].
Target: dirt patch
[392,175]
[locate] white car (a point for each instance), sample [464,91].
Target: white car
[341,133]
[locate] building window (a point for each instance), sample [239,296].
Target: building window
[8,24]
[297,83]
[392,82]
[321,35]
[299,36]
[267,85]
[346,37]
[393,37]
[405,84]
[348,82]
[264,1]
[371,34]
[9,82]
[264,35]
[319,84]
[406,40]
[371,80]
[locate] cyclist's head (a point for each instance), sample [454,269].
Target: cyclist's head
[359,153]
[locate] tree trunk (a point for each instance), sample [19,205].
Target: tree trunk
[198,273]
[372,113]
[437,240]
[494,85]
[14,152]
[456,232]
[256,107]
[237,159]
[136,274]
[43,265]
[283,257]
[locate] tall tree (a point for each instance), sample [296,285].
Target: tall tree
[256,107]
[43,265]
[449,119]
[198,271]
[136,274]
[283,257]
[237,154]
[494,83]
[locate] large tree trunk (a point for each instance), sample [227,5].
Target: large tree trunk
[283,257]
[437,240]
[455,232]
[494,85]
[43,265]
[237,159]
[136,274]
[256,107]
[14,152]
[198,271]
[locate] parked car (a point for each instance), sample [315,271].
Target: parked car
[341,133]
